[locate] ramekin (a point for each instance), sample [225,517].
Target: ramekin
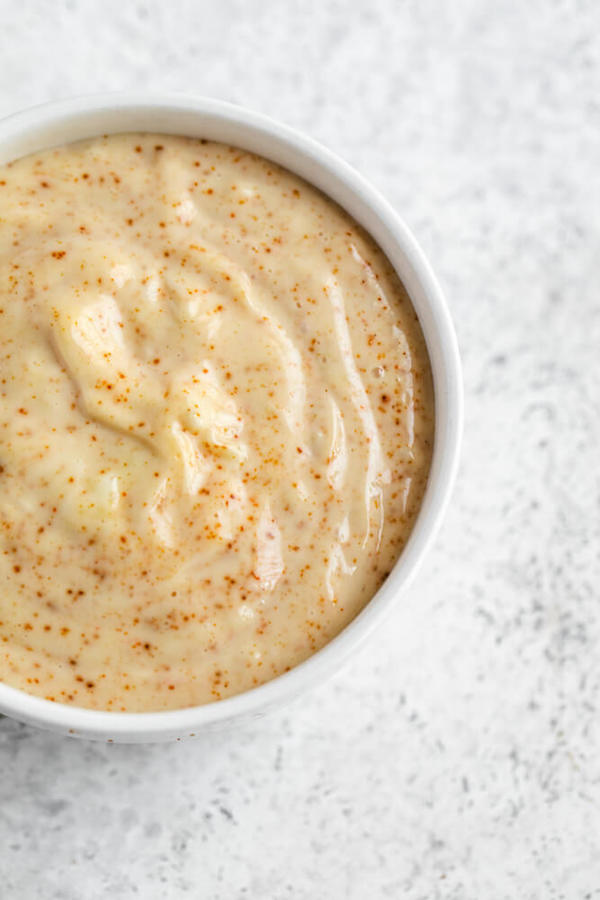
[62,122]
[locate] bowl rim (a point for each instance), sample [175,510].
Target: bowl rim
[39,128]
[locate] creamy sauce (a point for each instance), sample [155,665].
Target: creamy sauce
[216,421]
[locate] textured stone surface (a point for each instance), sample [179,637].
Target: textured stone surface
[458,755]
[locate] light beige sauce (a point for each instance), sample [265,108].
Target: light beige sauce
[215,425]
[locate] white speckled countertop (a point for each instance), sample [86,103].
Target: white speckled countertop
[459,755]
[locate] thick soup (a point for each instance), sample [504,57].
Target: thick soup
[216,421]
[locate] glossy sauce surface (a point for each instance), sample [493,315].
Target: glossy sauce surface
[216,421]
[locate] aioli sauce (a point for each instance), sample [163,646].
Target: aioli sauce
[216,421]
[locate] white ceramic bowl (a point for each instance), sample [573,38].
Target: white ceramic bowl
[83,117]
